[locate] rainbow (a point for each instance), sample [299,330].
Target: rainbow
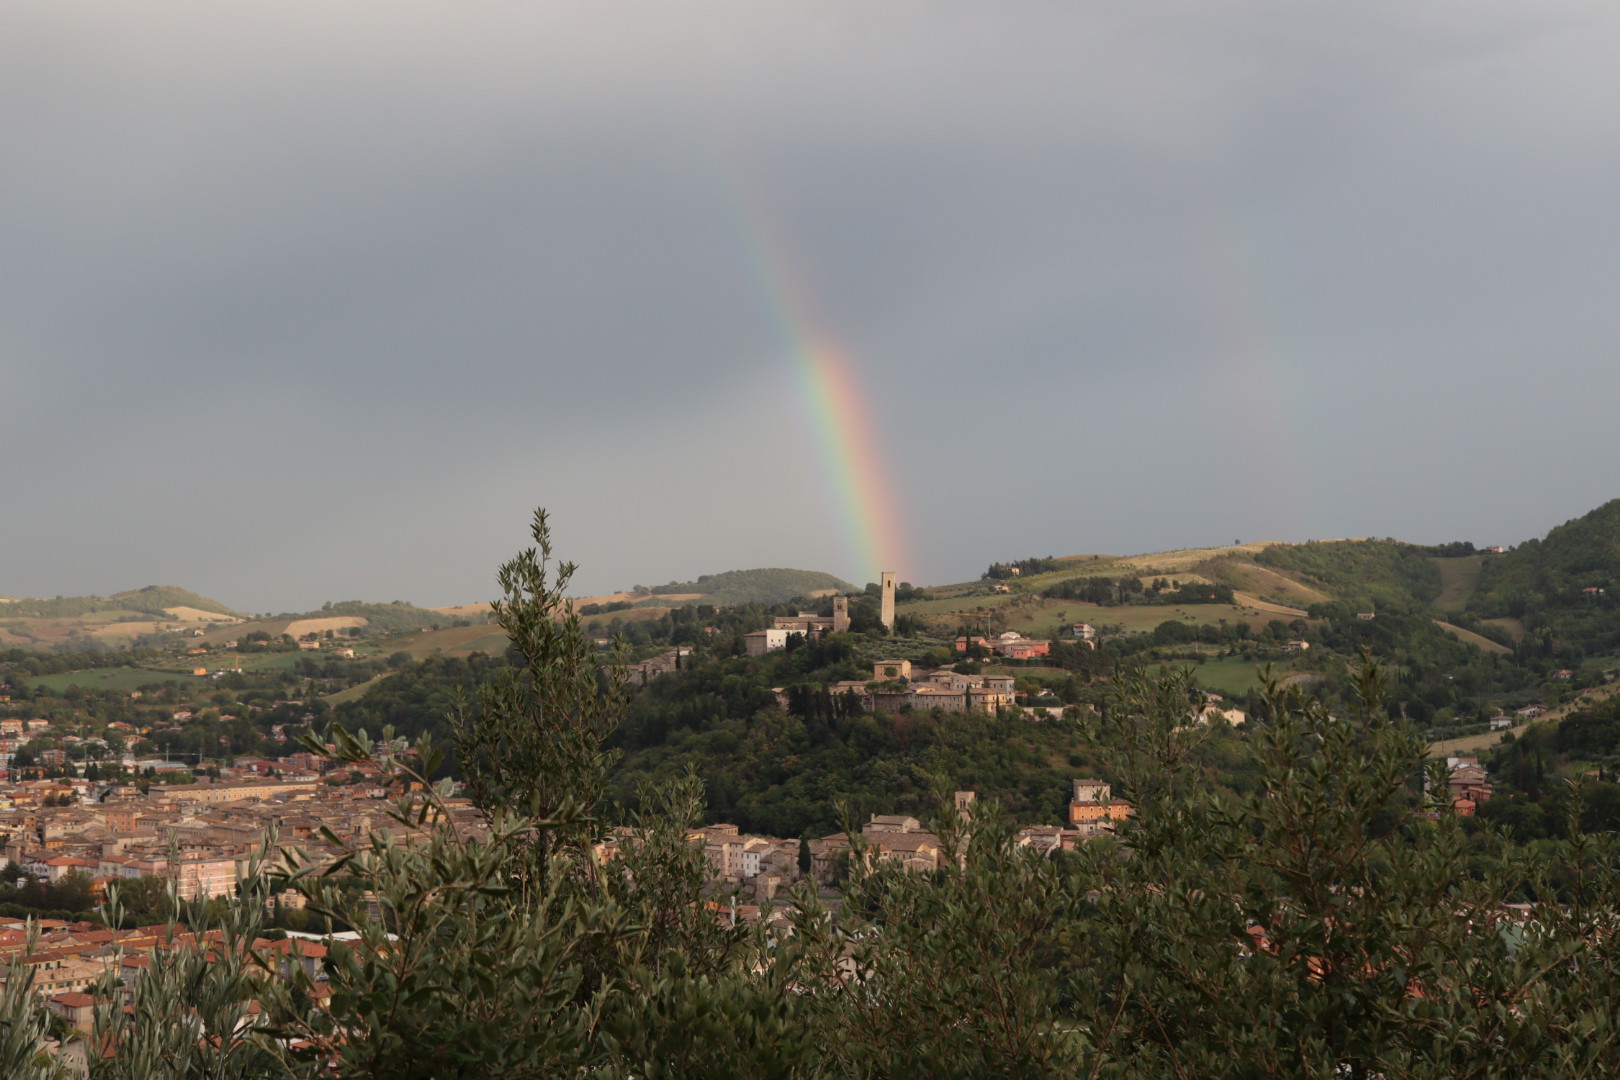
[829,388]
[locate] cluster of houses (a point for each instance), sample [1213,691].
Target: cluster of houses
[15,732]
[896,684]
[1468,784]
[763,865]
[208,843]
[202,835]
[1012,645]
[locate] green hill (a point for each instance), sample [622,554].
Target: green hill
[772,585]
[1370,574]
[1577,555]
[1563,589]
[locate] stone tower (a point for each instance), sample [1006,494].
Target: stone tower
[886,613]
[840,614]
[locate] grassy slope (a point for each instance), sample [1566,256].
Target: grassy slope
[355,692]
[598,624]
[1024,612]
[451,641]
[1043,617]
[122,679]
[236,631]
[1261,581]
[1468,637]
[1458,580]
[1234,675]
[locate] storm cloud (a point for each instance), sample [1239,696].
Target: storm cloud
[310,301]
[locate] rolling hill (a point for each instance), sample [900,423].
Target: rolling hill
[119,618]
[770,585]
[155,601]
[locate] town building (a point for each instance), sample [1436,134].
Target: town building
[808,622]
[761,642]
[1011,644]
[1093,809]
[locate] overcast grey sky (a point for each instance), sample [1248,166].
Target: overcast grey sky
[311,301]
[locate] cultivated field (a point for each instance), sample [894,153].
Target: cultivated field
[946,605]
[1234,675]
[1458,579]
[464,611]
[1044,617]
[1214,565]
[1185,559]
[1254,603]
[1514,627]
[1041,672]
[320,626]
[451,641]
[122,679]
[254,660]
[1258,581]
[101,625]
[103,631]
[191,614]
[1468,637]
[356,692]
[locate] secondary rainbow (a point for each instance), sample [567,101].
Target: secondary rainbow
[835,405]
[1261,370]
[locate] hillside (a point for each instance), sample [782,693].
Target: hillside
[350,618]
[113,620]
[1578,555]
[154,600]
[159,614]
[771,585]
[1560,595]
[164,598]
[1369,574]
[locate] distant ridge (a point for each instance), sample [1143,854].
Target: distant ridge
[154,600]
[766,585]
